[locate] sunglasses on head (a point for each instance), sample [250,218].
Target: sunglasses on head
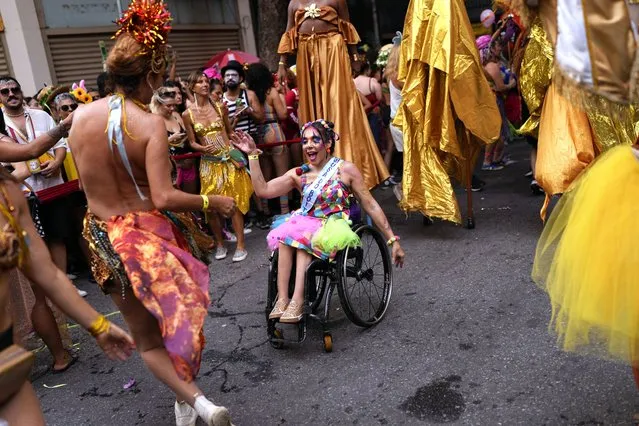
[14,90]
[168,94]
[67,108]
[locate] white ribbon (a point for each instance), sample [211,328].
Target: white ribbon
[312,191]
[116,136]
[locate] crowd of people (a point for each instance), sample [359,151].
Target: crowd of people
[189,165]
[192,164]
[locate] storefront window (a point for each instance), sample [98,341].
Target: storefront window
[203,11]
[97,13]
[79,13]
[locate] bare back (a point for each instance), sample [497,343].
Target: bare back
[109,189]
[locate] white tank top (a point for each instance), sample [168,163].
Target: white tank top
[395,98]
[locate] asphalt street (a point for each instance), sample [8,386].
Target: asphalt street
[464,341]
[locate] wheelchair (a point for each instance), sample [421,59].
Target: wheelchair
[363,277]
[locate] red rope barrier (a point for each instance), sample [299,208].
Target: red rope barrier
[260,146]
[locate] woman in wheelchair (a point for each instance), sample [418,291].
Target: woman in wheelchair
[321,227]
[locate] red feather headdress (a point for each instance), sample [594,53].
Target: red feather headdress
[149,23]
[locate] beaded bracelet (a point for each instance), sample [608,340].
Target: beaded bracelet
[99,326]
[392,241]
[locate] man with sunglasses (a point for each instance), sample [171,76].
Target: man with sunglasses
[24,125]
[65,104]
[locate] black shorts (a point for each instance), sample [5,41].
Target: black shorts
[6,338]
[55,217]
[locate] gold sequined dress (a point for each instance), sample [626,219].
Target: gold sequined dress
[219,173]
[448,109]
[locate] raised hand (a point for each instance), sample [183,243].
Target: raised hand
[66,123]
[116,343]
[243,141]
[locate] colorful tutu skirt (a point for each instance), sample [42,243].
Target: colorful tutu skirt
[587,260]
[321,237]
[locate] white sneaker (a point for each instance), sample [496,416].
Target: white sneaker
[240,255]
[220,253]
[212,414]
[185,415]
[82,293]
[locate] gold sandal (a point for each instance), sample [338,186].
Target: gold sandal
[293,313]
[278,309]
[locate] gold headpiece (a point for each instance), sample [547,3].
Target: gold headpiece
[149,23]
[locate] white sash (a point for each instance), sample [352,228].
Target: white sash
[312,191]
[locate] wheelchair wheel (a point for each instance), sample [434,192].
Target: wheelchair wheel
[365,278]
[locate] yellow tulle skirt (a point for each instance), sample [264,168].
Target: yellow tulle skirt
[587,260]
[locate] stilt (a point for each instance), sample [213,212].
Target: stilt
[470,214]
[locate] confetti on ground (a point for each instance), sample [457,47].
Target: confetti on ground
[128,385]
[54,386]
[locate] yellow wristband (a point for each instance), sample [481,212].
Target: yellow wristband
[254,157]
[99,326]
[205,202]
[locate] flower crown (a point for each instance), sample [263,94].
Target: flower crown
[80,93]
[149,23]
[330,132]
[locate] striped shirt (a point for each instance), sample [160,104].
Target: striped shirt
[245,124]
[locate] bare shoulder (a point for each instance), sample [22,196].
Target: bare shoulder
[152,125]
[350,170]
[338,3]
[293,176]
[14,192]
[88,111]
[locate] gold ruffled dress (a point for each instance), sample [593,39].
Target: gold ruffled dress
[570,134]
[327,90]
[448,109]
[219,175]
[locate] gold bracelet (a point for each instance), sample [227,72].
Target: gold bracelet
[282,63]
[205,202]
[254,157]
[392,241]
[99,326]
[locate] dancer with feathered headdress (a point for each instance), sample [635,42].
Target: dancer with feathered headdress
[140,256]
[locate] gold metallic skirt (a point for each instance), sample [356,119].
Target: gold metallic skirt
[224,178]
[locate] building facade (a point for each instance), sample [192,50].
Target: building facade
[58,41]
[377,21]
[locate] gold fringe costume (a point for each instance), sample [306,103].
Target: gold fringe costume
[448,109]
[219,172]
[327,90]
